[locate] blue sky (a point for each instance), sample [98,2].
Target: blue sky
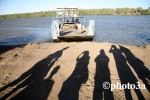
[23,6]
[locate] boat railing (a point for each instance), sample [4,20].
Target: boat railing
[75,20]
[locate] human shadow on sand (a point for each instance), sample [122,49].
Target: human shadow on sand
[138,66]
[102,75]
[125,74]
[33,82]
[70,88]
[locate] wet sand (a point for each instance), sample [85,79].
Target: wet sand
[73,71]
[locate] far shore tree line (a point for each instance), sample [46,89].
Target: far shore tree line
[103,11]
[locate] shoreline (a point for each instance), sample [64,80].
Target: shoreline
[7,46]
[82,15]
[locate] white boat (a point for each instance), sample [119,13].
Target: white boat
[69,26]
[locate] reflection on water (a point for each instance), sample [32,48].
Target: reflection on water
[131,30]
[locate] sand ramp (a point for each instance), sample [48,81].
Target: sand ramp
[75,71]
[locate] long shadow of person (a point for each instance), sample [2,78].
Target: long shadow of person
[33,77]
[39,90]
[71,87]
[125,73]
[138,65]
[102,75]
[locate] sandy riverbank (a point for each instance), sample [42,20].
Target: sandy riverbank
[73,70]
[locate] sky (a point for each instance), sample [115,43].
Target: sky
[25,6]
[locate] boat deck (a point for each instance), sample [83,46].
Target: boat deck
[72,34]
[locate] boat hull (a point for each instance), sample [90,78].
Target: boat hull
[75,38]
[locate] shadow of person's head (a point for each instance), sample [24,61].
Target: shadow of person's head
[113,49]
[102,51]
[65,48]
[86,52]
[83,54]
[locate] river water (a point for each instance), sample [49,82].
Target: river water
[129,30]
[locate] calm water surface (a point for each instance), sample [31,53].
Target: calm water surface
[130,30]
